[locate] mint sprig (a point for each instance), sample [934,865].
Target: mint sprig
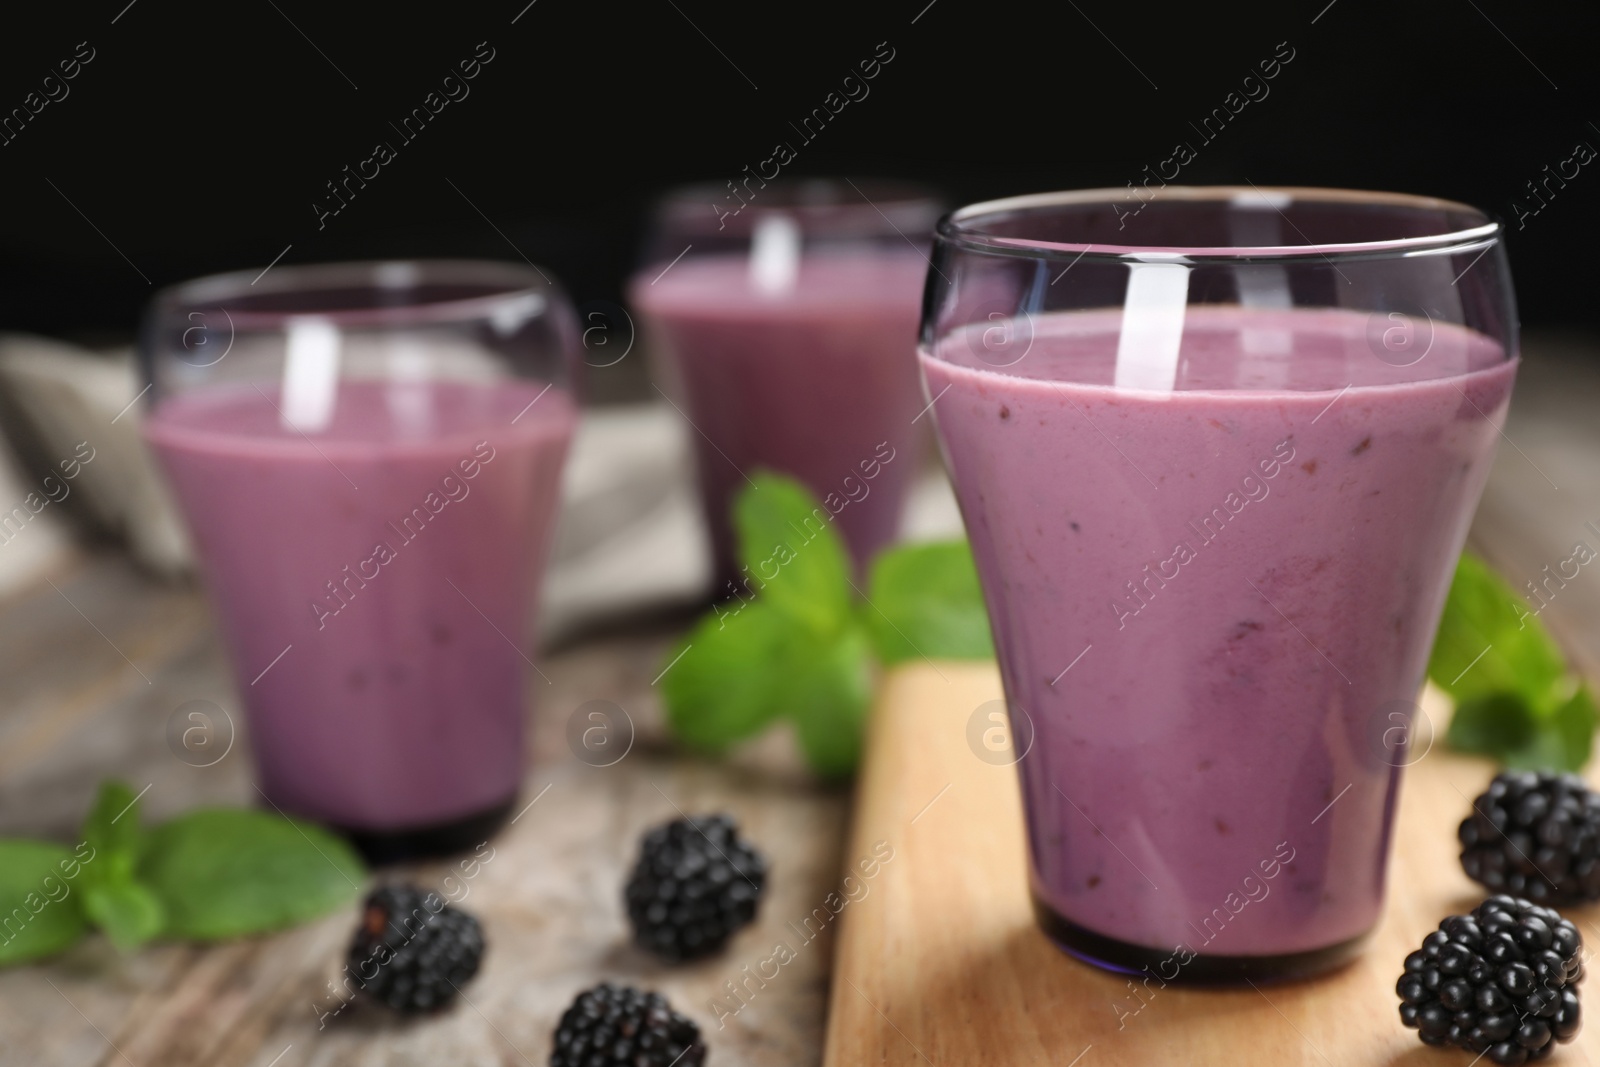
[204,875]
[1516,699]
[113,897]
[799,641]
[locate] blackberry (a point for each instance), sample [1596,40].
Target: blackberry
[1501,982]
[696,883]
[1535,836]
[620,1025]
[413,951]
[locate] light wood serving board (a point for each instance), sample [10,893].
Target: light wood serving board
[939,964]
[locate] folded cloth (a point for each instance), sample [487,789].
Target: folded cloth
[33,540]
[630,536]
[60,396]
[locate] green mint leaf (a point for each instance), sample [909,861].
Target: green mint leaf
[112,830]
[1574,721]
[827,692]
[724,683]
[40,913]
[793,557]
[113,899]
[924,600]
[742,669]
[1496,726]
[1505,728]
[127,911]
[226,872]
[1491,643]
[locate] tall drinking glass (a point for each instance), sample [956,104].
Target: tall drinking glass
[787,319]
[1217,450]
[369,457]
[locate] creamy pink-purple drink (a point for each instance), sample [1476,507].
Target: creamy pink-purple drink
[1208,602]
[817,380]
[373,580]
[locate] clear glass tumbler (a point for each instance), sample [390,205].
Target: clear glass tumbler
[1217,450]
[785,314]
[369,458]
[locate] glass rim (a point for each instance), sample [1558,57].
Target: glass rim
[508,284]
[962,227]
[847,196]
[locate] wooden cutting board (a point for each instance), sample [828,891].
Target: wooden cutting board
[939,964]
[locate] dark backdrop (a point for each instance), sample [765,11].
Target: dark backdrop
[199,136]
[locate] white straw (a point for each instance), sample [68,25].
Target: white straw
[775,255]
[1152,326]
[310,374]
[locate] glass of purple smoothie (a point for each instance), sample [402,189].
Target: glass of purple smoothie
[369,459]
[784,314]
[1217,450]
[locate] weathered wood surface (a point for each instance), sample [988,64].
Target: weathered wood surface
[72,710]
[943,964]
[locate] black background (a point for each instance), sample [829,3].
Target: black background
[200,135]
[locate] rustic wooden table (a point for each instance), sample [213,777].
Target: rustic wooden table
[94,659]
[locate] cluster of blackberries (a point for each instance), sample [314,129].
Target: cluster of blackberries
[1535,836]
[696,883]
[1500,982]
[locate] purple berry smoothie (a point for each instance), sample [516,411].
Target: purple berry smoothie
[391,560]
[1205,601]
[819,382]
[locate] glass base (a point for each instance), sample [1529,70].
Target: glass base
[1110,954]
[381,847]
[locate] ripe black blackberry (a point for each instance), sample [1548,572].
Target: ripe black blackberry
[695,884]
[619,1025]
[1501,982]
[412,951]
[1535,836]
